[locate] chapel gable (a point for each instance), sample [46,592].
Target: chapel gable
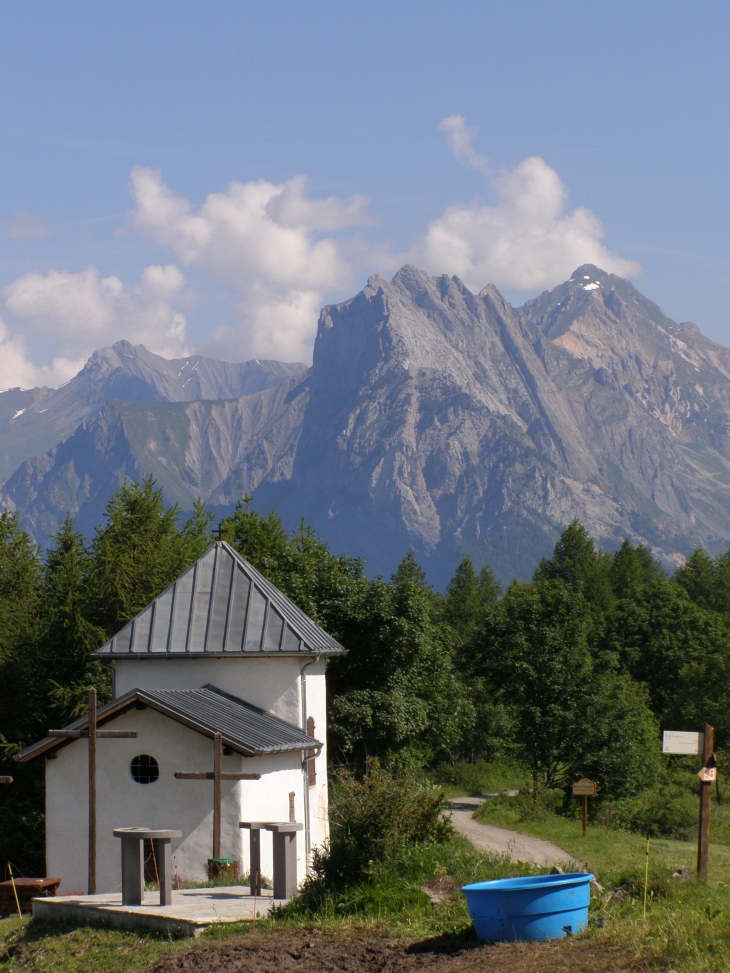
[221,606]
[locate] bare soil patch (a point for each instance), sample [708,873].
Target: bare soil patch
[363,951]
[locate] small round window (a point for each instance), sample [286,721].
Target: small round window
[145,769]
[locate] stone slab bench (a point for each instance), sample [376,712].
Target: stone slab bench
[285,855]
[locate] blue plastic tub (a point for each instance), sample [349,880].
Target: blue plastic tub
[530,908]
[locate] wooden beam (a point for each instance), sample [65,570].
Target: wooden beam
[209,775]
[217,776]
[6,780]
[92,791]
[100,734]
[217,793]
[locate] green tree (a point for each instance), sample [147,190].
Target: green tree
[618,745]
[21,606]
[139,550]
[397,694]
[469,596]
[707,580]
[535,653]
[578,563]
[632,567]
[262,540]
[678,650]
[68,636]
[468,601]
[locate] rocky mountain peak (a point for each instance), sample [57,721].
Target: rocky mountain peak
[432,418]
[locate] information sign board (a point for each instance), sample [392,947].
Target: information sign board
[708,775]
[584,788]
[675,741]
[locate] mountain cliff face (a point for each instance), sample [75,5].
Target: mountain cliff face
[458,424]
[445,421]
[218,450]
[33,420]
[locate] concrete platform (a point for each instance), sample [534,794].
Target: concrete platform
[191,912]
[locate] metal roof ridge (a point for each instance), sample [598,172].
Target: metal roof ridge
[157,700]
[313,639]
[277,596]
[236,700]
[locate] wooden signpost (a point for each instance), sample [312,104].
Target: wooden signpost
[584,788]
[707,776]
[217,776]
[92,734]
[704,744]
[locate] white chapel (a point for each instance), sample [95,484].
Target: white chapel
[221,650]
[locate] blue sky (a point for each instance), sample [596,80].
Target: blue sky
[202,176]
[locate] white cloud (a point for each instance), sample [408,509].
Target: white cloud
[73,314]
[262,240]
[459,139]
[527,240]
[283,254]
[16,368]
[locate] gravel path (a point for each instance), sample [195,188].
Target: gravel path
[485,837]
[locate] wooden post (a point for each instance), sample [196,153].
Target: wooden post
[703,840]
[217,794]
[92,734]
[92,791]
[584,788]
[311,771]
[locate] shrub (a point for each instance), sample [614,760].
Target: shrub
[669,810]
[483,777]
[374,818]
[528,805]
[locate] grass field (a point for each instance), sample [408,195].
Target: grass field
[687,929]
[614,856]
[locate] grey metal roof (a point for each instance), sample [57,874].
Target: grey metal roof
[221,606]
[245,728]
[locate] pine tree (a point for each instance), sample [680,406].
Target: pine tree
[578,563]
[69,637]
[137,552]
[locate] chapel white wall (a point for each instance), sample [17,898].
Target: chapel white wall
[166,803]
[270,683]
[316,703]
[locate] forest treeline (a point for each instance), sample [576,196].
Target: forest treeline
[574,672]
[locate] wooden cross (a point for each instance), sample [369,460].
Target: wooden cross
[217,776]
[92,734]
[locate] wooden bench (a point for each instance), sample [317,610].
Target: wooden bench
[27,889]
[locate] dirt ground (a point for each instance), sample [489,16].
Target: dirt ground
[362,951]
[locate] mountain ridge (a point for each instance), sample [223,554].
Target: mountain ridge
[452,423]
[34,420]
